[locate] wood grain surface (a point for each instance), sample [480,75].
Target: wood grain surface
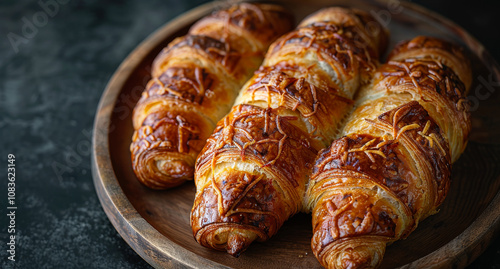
[156,223]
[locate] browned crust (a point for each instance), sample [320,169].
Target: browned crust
[264,137]
[426,47]
[350,214]
[164,133]
[259,201]
[436,86]
[360,161]
[195,81]
[296,93]
[263,22]
[401,166]
[384,160]
[428,77]
[369,31]
[427,43]
[212,49]
[191,85]
[275,131]
[340,46]
[429,145]
[248,201]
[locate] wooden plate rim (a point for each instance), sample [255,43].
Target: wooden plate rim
[148,242]
[124,217]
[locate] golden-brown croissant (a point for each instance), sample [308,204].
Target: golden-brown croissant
[391,169]
[252,173]
[195,81]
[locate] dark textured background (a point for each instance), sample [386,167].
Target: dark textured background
[49,91]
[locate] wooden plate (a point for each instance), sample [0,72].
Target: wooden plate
[156,223]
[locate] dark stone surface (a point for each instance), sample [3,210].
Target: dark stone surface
[49,91]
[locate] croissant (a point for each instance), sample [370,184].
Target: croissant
[252,173]
[391,168]
[195,81]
